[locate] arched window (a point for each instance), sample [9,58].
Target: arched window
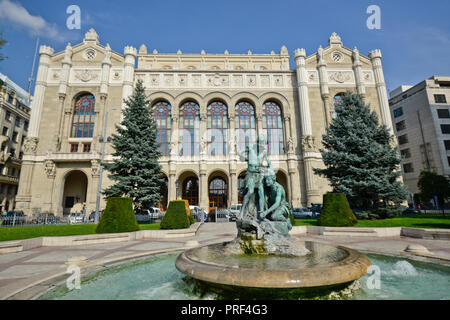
[245,125]
[217,129]
[218,193]
[273,127]
[190,191]
[162,114]
[336,100]
[83,117]
[189,129]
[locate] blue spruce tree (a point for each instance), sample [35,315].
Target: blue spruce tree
[360,159]
[135,168]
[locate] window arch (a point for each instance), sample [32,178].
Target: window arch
[162,114]
[336,100]
[245,125]
[217,128]
[218,193]
[83,117]
[273,127]
[189,126]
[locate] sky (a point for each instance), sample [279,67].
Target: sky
[414,36]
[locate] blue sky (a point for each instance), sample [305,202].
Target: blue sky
[414,35]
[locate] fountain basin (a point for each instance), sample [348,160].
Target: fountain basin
[324,266]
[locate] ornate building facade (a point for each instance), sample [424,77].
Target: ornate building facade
[208,107]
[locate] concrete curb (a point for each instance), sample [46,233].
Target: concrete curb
[27,244]
[438,234]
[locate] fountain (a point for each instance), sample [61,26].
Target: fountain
[264,256]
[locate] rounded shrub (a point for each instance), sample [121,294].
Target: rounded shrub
[118,216]
[177,215]
[336,211]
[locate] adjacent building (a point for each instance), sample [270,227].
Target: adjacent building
[421,118]
[15,114]
[209,108]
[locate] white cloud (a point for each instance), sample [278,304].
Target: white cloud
[15,14]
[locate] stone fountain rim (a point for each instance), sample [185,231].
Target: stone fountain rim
[351,268]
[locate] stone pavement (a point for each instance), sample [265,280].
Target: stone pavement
[26,269]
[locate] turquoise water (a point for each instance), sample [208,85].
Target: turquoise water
[157,278]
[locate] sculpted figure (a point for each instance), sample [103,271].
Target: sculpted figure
[276,199]
[258,163]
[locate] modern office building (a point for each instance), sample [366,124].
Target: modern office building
[421,118]
[209,107]
[15,114]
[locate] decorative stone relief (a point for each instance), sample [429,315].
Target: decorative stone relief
[265,81]
[197,79]
[251,81]
[90,54]
[309,144]
[50,168]
[95,168]
[56,75]
[30,145]
[340,76]
[278,81]
[290,145]
[86,75]
[367,76]
[182,80]
[238,80]
[117,75]
[337,57]
[155,80]
[168,79]
[312,76]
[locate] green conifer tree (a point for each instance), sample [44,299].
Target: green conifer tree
[135,168]
[360,159]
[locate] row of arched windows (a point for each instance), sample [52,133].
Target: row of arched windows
[217,127]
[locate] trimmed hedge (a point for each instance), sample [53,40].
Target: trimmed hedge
[118,216]
[336,211]
[177,215]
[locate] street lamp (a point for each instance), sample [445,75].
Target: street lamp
[99,189]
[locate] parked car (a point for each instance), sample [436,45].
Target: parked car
[154,213]
[76,217]
[92,216]
[198,213]
[411,211]
[235,209]
[219,215]
[44,218]
[302,213]
[13,218]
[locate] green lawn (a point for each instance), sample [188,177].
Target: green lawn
[429,221]
[20,233]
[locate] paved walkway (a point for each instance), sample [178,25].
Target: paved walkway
[27,268]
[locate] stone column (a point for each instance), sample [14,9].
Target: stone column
[64,80]
[323,80]
[357,69]
[45,54]
[308,142]
[172,188]
[203,190]
[375,57]
[128,76]
[232,156]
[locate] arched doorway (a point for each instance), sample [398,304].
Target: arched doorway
[164,190]
[190,190]
[75,189]
[218,193]
[282,179]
